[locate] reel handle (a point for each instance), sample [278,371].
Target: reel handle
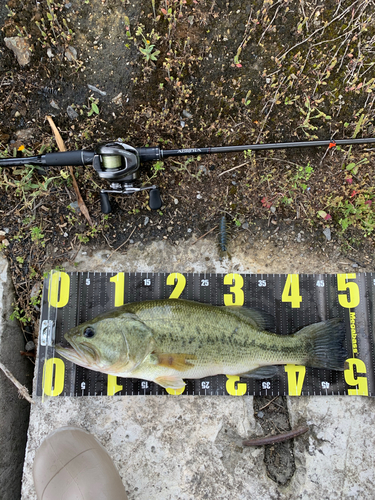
[155,201]
[104,203]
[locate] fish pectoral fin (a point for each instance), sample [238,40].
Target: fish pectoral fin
[170,382]
[262,372]
[174,360]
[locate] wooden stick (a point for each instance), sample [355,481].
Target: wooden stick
[22,391]
[234,168]
[203,235]
[278,438]
[61,145]
[118,248]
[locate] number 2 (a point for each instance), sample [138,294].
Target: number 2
[180,281]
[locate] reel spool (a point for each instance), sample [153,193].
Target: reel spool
[119,164]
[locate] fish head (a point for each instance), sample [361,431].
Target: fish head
[109,344]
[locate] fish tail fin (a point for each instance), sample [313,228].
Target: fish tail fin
[325,344]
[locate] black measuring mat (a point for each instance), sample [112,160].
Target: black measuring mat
[294,301]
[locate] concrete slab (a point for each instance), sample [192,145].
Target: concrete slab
[14,412]
[191,447]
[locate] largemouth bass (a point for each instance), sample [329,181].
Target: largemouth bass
[165,341]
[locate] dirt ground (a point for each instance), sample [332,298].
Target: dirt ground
[187,74]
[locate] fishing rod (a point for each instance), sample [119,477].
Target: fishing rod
[118,163]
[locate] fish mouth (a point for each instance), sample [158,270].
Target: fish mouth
[81,354]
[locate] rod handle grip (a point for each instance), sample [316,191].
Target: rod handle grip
[68,158]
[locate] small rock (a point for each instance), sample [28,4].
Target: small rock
[170,229]
[54,104]
[175,201]
[20,47]
[182,123]
[74,206]
[245,225]
[49,53]
[327,233]
[95,89]
[71,113]
[202,169]
[299,237]
[147,220]
[6,229]
[189,230]
[199,196]
[5,242]
[131,241]
[118,99]
[71,54]
[273,209]
[186,114]
[65,235]
[35,290]
[25,134]
[30,346]
[355,264]
[260,414]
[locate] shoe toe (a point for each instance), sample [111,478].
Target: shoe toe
[71,464]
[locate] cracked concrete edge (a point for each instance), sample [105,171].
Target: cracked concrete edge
[14,412]
[189,448]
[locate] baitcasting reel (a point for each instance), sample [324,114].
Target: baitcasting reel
[119,163]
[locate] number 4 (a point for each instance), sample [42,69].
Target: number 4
[291,291]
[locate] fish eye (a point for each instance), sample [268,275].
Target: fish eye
[88,333]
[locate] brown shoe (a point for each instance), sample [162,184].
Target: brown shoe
[71,464]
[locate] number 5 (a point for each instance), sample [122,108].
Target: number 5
[352,288]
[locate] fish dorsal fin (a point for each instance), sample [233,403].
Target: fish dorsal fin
[258,318]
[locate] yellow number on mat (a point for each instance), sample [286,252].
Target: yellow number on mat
[291,291]
[59,282]
[360,382]
[295,383]
[175,392]
[344,286]
[236,297]
[112,386]
[119,281]
[50,380]
[180,285]
[232,386]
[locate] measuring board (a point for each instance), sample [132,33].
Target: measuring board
[293,300]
